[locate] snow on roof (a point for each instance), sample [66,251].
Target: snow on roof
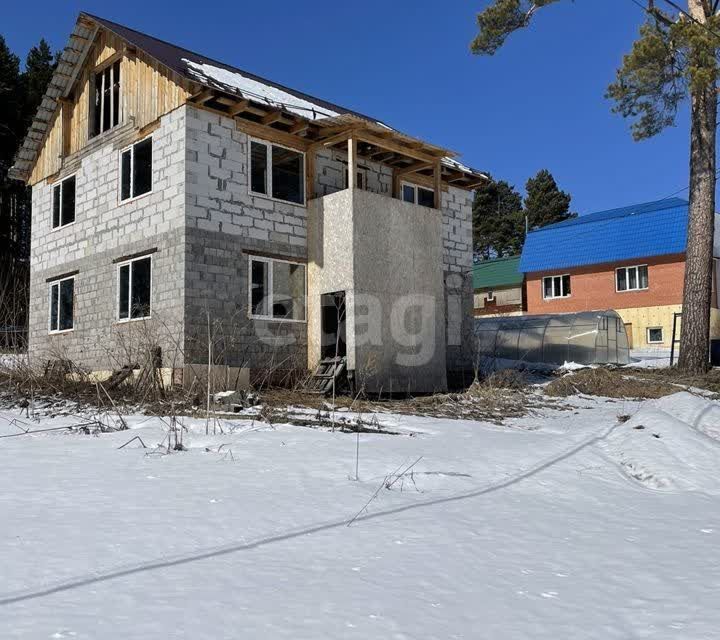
[257,91]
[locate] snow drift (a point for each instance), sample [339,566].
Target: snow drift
[670,444]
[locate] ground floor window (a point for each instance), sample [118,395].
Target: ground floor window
[277,289]
[134,288]
[655,335]
[556,287]
[62,298]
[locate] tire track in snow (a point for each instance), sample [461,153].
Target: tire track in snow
[214,552]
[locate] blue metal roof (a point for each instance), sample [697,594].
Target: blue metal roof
[639,231]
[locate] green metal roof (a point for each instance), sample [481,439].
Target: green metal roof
[501,272]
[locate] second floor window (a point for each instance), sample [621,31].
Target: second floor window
[418,195]
[632,278]
[63,203]
[134,288]
[277,172]
[556,287]
[136,170]
[106,106]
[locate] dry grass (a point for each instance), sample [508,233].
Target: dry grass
[610,383]
[709,381]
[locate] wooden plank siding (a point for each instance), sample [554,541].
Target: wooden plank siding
[148,90]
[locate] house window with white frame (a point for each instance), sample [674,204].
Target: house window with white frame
[556,287]
[418,195]
[136,169]
[62,300]
[107,107]
[655,335]
[631,278]
[277,172]
[134,288]
[63,202]
[277,289]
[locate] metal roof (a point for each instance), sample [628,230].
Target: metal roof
[501,272]
[638,231]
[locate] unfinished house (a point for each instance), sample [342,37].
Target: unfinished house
[194,211]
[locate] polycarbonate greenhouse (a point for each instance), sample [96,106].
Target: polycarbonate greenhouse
[590,337]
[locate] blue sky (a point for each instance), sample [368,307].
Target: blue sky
[538,103]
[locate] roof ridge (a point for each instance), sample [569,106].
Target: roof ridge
[228,66]
[590,217]
[493,260]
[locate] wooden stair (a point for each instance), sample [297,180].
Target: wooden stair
[327,371]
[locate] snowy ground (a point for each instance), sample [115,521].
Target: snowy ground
[568,524]
[650,358]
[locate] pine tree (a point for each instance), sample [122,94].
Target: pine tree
[497,220]
[674,57]
[39,67]
[544,202]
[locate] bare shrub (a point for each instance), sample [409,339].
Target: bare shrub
[506,379]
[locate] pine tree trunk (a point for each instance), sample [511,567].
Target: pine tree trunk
[697,294]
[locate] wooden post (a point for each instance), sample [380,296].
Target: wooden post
[352,162]
[437,184]
[310,175]
[65,115]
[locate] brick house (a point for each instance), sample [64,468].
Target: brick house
[178,201]
[499,287]
[631,260]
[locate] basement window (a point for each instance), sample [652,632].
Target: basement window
[106,104]
[654,335]
[62,296]
[136,170]
[134,288]
[418,195]
[63,203]
[631,278]
[556,287]
[277,172]
[277,289]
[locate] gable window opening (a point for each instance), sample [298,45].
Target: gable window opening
[107,107]
[134,289]
[62,298]
[136,170]
[277,289]
[63,203]
[277,172]
[556,287]
[655,335]
[418,195]
[631,278]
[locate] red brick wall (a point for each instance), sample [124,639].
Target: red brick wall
[593,287]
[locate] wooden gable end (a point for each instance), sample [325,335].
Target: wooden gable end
[148,91]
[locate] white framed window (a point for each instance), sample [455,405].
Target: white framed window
[418,195]
[655,335]
[277,172]
[107,103]
[556,287]
[61,295]
[490,296]
[134,286]
[63,202]
[631,278]
[277,289]
[136,170]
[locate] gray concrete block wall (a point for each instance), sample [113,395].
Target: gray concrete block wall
[106,229]
[224,225]
[457,258]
